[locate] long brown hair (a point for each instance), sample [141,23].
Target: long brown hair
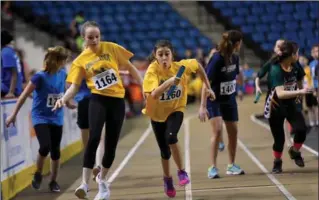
[54,58]
[228,44]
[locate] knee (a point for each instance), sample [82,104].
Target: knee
[44,150]
[172,138]
[55,153]
[302,130]
[166,153]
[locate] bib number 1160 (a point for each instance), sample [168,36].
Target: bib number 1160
[175,95]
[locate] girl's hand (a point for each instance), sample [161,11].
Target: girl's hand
[11,119]
[58,104]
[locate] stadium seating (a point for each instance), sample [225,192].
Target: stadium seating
[135,25]
[265,22]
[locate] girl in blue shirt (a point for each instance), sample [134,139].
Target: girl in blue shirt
[11,71]
[47,86]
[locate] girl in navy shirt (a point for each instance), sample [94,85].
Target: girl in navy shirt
[222,71]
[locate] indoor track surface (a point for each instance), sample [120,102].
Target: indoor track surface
[137,175]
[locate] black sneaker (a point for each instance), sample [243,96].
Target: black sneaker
[277,166]
[36,181]
[54,186]
[296,155]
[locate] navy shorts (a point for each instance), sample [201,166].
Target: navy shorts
[228,111]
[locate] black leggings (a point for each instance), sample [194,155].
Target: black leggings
[276,122]
[166,132]
[108,110]
[49,137]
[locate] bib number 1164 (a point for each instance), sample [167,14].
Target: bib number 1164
[105,79]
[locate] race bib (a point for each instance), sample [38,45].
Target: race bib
[52,99]
[228,88]
[175,95]
[290,87]
[105,79]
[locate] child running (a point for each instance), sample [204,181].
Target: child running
[167,112]
[281,104]
[47,86]
[265,70]
[99,65]
[222,70]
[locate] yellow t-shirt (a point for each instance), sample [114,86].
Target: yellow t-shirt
[196,86]
[101,69]
[307,78]
[155,75]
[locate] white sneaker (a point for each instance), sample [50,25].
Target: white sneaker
[104,191]
[82,191]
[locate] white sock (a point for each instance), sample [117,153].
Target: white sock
[86,174]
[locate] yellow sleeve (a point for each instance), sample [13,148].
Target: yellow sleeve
[191,65]
[121,54]
[150,81]
[76,74]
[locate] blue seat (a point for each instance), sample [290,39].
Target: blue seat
[291,25]
[252,19]
[228,12]
[267,46]
[248,28]
[268,18]
[134,25]
[242,12]
[258,37]
[286,8]
[273,36]
[301,16]
[239,21]
[262,28]
[257,10]
[284,17]
[219,4]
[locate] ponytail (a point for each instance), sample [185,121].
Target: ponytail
[228,44]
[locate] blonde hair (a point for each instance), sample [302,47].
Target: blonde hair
[54,58]
[88,24]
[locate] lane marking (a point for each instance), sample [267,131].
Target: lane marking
[188,187]
[263,168]
[234,188]
[130,154]
[266,126]
[272,178]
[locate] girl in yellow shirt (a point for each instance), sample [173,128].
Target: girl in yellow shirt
[99,65]
[166,112]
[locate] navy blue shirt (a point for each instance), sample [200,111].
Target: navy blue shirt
[223,78]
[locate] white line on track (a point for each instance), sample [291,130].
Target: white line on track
[263,168]
[272,178]
[188,188]
[130,154]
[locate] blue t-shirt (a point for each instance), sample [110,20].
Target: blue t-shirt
[312,66]
[84,92]
[9,60]
[223,78]
[49,88]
